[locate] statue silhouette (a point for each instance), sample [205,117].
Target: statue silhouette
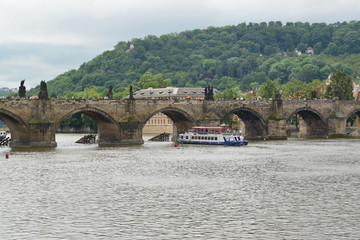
[43,94]
[110,93]
[131,95]
[22,90]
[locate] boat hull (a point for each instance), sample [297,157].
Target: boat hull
[212,136]
[200,142]
[240,143]
[236,143]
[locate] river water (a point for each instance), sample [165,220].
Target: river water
[291,189]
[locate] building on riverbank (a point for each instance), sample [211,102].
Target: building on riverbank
[159,123]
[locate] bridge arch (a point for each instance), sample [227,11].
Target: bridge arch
[18,128]
[255,126]
[108,128]
[181,119]
[308,122]
[355,112]
[353,123]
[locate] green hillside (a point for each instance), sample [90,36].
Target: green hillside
[225,57]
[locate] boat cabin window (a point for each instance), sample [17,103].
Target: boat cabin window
[187,137]
[182,137]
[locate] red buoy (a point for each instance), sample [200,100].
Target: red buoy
[7,156]
[175,145]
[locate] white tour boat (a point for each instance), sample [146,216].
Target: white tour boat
[213,136]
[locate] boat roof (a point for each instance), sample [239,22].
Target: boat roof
[211,127]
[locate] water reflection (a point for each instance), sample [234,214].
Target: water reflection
[266,190]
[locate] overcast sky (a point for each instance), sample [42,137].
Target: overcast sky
[40,39]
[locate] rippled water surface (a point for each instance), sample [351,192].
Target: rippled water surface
[267,190]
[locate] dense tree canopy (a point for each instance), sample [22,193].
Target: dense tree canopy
[341,86]
[269,88]
[224,57]
[155,81]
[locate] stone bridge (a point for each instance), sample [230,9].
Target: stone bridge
[33,123]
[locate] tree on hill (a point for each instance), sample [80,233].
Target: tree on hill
[341,86]
[155,81]
[269,88]
[295,89]
[228,93]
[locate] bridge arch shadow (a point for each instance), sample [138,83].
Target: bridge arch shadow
[254,126]
[107,127]
[19,129]
[353,124]
[306,123]
[182,121]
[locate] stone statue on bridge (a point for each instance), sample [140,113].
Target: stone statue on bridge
[131,95]
[43,94]
[22,90]
[209,93]
[277,94]
[110,94]
[313,95]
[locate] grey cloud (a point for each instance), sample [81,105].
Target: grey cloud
[40,42]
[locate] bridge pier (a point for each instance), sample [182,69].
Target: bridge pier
[208,123]
[130,134]
[276,129]
[276,123]
[19,144]
[41,135]
[337,125]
